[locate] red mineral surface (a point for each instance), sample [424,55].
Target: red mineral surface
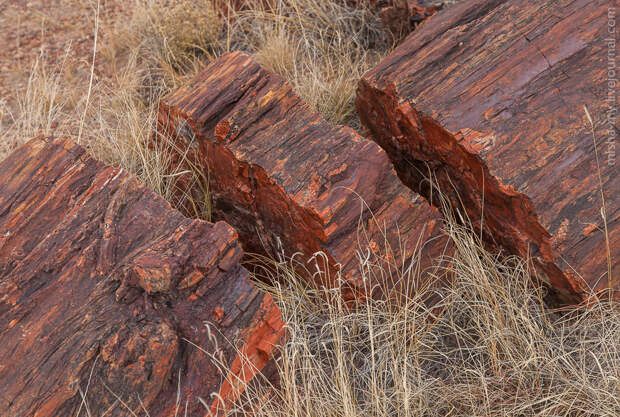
[490,98]
[288,180]
[108,294]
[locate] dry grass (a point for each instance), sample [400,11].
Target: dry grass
[322,47]
[490,347]
[38,107]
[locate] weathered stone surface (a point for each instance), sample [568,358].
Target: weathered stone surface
[490,97]
[105,291]
[285,178]
[400,17]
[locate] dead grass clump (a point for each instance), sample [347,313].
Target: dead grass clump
[39,108]
[168,39]
[490,347]
[321,47]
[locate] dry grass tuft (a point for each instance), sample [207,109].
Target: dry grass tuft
[37,108]
[321,47]
[169,40]
[490,347]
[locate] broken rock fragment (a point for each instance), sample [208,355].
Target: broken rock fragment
[490,98]
[400,17]
[110,295]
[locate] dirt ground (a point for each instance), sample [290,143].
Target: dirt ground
[60,32]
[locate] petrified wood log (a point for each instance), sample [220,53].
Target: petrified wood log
[490,98]
[287,179]
[105,291]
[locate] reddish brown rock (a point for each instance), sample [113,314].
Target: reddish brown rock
[106,292]
[490,98]
[285,178]
[400,17]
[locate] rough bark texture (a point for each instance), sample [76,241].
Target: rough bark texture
[105,291]
[287,179]
[490,97]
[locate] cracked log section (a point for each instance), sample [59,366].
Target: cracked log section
[287,179]
[104,292]
[490,97]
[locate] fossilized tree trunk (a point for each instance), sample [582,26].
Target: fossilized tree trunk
[108,293]
[490,98]
[287,179]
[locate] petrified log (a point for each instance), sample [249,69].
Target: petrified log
[287,179]
[106,292]
[490,98]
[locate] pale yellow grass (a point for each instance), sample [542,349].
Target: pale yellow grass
[489,347]
[322,47]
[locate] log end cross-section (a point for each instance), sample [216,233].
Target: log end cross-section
[110,295]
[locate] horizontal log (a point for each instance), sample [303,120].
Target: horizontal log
[490,98]
[107,293]
[287,179]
